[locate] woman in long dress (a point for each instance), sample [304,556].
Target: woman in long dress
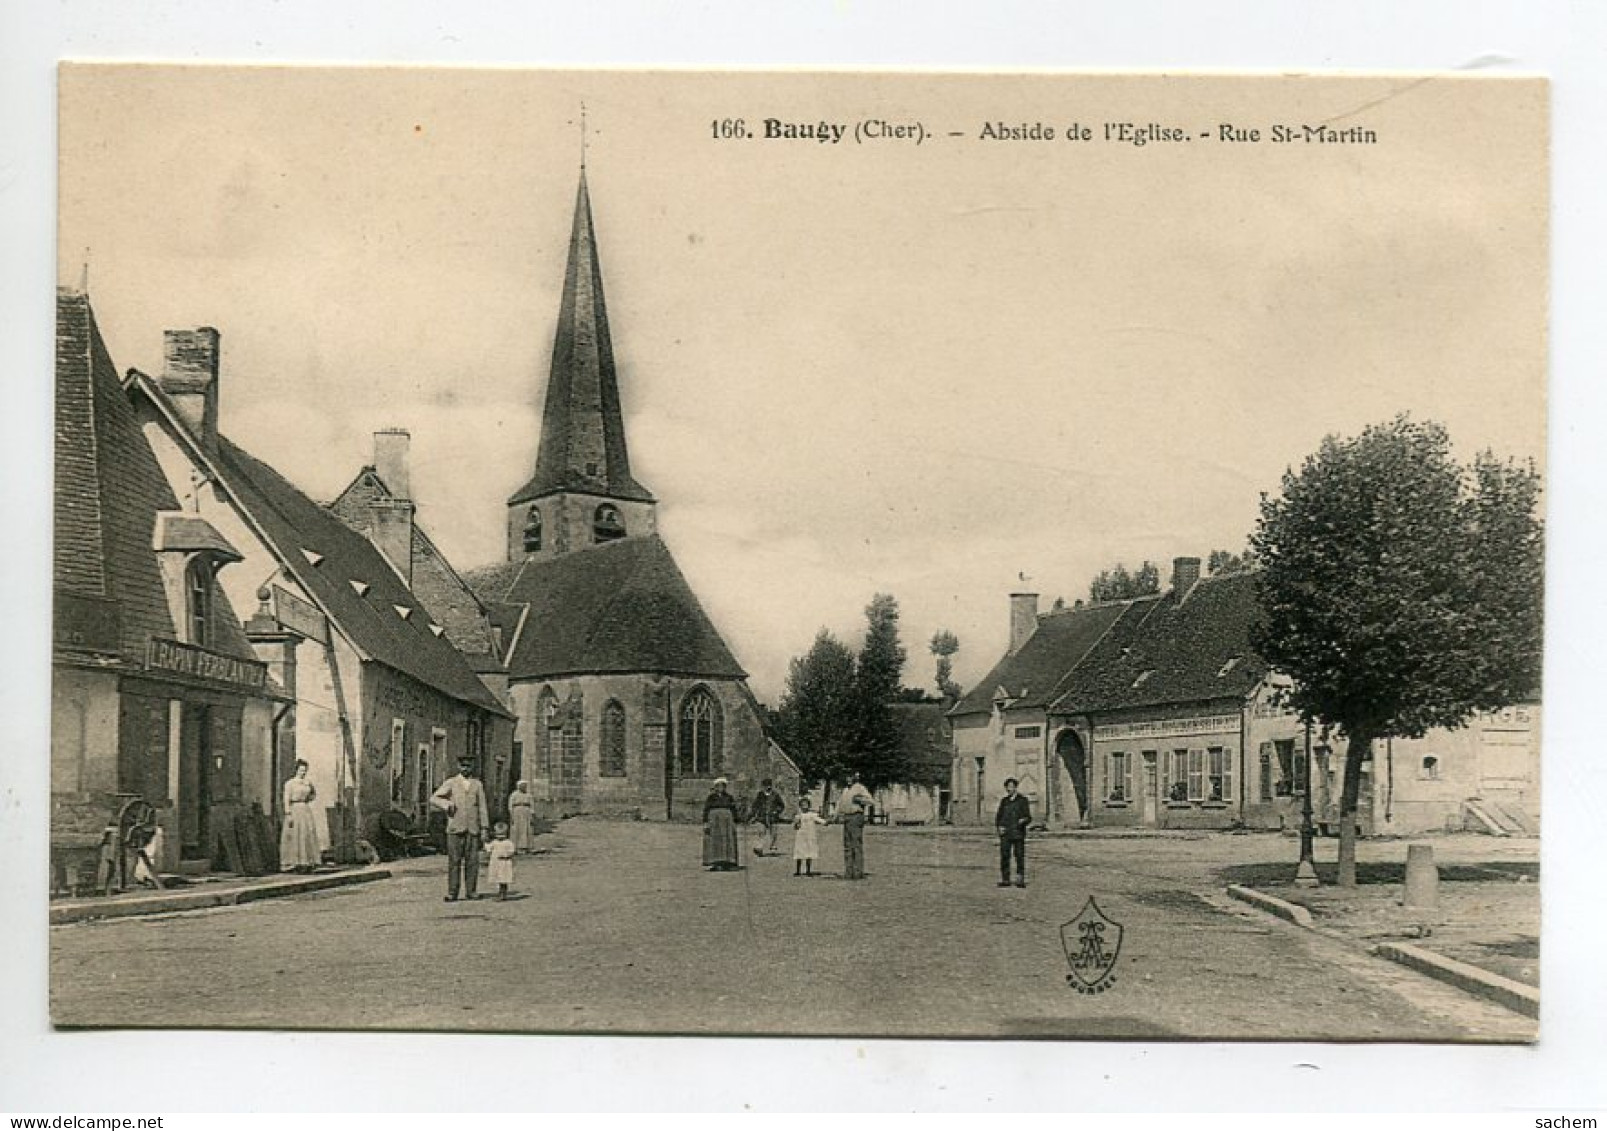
[720,829]
[298,842]
[522,818]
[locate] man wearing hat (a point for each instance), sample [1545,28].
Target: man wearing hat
[1015,814]
[462,798]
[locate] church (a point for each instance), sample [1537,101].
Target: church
[628,700]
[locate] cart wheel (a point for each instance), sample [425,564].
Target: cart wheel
[136,824]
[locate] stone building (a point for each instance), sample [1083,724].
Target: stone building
[628,700]
[1157,712]
[156,694]
[383,703]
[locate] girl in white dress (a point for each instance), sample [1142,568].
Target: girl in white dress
[500,870]
[806,844]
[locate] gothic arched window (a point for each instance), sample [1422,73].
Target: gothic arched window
[198,599]
[532,535]
[607,524]
[697,738]
[549,730]
[613,748]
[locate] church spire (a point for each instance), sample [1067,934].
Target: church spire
[582,429]
[582,458]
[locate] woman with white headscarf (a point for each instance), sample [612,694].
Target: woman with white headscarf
[720,829]
[522,818]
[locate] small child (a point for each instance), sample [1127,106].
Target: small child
[500,870]
[806,845]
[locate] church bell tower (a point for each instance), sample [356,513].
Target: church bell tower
[582,493]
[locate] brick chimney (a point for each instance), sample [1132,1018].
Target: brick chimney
[190,379]
[1185,572]
[391,461]
[1023,619]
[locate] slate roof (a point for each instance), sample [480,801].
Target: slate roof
[582,429]
[109,491]
[109,488]
[295,526]
[1058,645]
[455,606]
[617,607]
[1188,650]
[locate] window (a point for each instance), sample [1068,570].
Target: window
[1264,771]
[1196,775]
[549,730]
[438,755]
[398,761]
[1118,774]
[1285,748]
[1431,767]
[1220,764]
[697,740]
[1299,773]
[532,535]
[198,596]
[613,751]
[1029,732]
[607,525]
[1179,789]
[423,782]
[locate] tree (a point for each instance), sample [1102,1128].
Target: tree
[1117,584]
[1224,562]
[878,755]
[944,644]
[815,721]
[1400,590]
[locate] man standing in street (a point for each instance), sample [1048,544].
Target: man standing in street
[766,808]
[1015,814]
[462,798]
[853,807]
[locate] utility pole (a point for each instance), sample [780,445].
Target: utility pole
[1306,872]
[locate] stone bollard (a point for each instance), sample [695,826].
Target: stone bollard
[1422,878]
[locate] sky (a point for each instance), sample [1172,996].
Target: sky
[947,371]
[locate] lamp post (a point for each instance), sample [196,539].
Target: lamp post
[1306,872]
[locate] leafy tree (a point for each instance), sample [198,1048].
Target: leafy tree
[815,720]
[1225,562]
[944,644]
[878,754]
[1117,584]
[1400,590]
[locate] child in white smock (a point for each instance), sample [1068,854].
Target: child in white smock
[500,869]
[806,844]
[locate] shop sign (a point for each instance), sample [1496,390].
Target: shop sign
[1155,728]
[203,663]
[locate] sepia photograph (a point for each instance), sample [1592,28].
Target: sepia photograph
[1044,556]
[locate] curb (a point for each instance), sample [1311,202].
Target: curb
[1271,904]
[1504,991]
[197,900]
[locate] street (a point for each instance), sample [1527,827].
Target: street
[617,929]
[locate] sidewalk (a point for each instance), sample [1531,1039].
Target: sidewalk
[1487,913]
[221,890]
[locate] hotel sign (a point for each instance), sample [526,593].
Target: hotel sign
[203,663]
[1157,728]
[299,616]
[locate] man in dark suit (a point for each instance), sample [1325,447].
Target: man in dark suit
[1015,814]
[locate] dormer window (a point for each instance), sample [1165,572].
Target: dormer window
[607,525]
[198,599]
[532,534]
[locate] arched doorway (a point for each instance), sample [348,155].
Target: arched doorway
[1069,748]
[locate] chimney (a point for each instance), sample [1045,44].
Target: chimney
[1023,619]
[1185,572]
[190,378]
[390,528]
[391,463]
